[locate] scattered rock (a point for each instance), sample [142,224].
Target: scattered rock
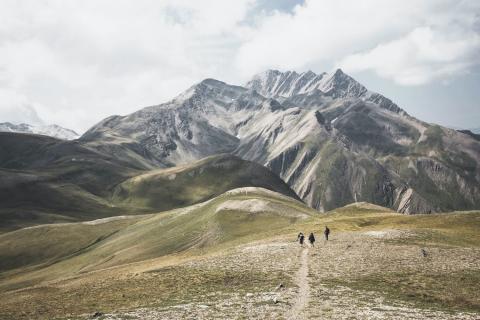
[280,286]
[275,300]
[377,234]
[97,314]
[424,253]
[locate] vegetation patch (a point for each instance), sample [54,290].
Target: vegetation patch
[160,288]
[456,291]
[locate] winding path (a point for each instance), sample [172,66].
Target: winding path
[303,295]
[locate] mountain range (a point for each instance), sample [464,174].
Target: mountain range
[192,209]
[322,138]
[326,135]
[51,130]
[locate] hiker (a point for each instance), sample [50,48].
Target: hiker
[301,238]
[311,239]
[326,232]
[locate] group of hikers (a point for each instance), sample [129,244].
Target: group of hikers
[311,237]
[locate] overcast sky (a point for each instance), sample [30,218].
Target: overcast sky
[76,62]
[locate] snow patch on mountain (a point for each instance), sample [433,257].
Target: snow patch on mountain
[52,130]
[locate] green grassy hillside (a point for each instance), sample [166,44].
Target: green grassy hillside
[46,180]
[164,189]
[50,251]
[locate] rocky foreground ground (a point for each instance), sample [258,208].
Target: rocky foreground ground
[376,265]
[355,275]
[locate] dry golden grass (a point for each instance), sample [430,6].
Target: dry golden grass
[174,264]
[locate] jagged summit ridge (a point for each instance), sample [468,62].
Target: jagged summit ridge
[274,83]
[280,85]
[341,85]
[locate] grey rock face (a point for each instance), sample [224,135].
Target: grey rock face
[176,132]
[332,140]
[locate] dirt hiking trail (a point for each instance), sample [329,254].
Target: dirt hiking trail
[303,295]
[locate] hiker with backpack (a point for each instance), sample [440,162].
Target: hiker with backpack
[326,232]
[311,239]
[301,238]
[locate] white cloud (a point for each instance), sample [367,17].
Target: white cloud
[411,42]
[423,55]
[17,109]
[82,61]
[319,31]
[75,62]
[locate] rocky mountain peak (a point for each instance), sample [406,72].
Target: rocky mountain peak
[336,85]
[274,83]
[339,72]
[206,93]
[212,82]
[341,85]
